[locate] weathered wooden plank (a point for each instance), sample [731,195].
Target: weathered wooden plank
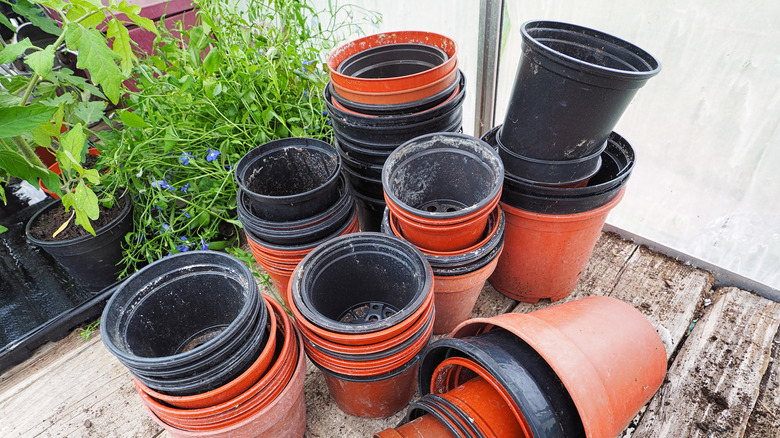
[765,419]
[713,383]
[83,392]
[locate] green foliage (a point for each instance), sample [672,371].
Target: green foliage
[88,330]
[246,76]
[53,109]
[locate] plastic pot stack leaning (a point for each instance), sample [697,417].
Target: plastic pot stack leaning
[386,89]
[442,192]
[364,305]
[583,368]
[210,355]
[565,168]
[291,198]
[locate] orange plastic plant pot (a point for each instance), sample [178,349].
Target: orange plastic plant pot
[426,426]
[544,255]
[443,238]
[340,106]
[490,412]
[480,214]
[344,51]
[454,297]
[378,398]
[235,387]
[283,417]
[607,354]
[399,96]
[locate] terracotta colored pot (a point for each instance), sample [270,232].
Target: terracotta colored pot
[341,53]
[263,392]
[455,297]
[561,246]
[607,354]
[400,96]
[283,417]
[485,406]
[234,387]
[426,426]
[335,101]
[374,397]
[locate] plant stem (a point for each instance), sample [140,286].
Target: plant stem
[29,154]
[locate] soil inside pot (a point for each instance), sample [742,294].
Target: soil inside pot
[291,171]
[47,223]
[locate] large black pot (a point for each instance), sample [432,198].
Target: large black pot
[91,260]
[572,86]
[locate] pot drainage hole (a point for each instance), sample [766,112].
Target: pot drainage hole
[373,311]
[442,206]
[200,338]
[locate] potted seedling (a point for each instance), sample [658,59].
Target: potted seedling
[51,109]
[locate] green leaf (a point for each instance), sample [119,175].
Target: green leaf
[13,51]
[132,120]
[86,200]
[91,175]
[41,61]
[2,228]
[95,56]
[212,61]
[83,220]
[132,12]
[16,165]
[122,46]
[36,16]
[89,112]
[8,99]
[73,142]
[17,120]
[5,22]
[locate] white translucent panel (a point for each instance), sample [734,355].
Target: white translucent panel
[456,19]
[705,130]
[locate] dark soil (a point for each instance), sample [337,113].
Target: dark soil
[47,223]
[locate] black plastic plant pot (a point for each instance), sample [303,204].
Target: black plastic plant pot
[392,60]
[617,162]
[413,107]
[362,154]
[549,172]
[443,175]
[367,169]
[385,132]
[91,260]
[290,179]
[178,383]
[572,86]
[462,263]
[365,185]
[184,313]
[369,211]
[531,383]
[453,418]
[361,283]
[302,231]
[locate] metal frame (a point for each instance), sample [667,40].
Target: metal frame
[491,13]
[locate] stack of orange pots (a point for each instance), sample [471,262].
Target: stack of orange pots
[291,198]
[442,192]
[384,90]
[266,400]
[580,369]
[364,305]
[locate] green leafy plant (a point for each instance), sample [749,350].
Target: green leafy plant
[211,93]
[88,330]
[53,108]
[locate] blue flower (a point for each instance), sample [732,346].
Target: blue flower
[212,155]
[228,167]
[310,62]
[185,158]
[182,248]
[158,207]
[184,212]
[166,228]
[203,245]
[185,187]
[325,113]
[163,184]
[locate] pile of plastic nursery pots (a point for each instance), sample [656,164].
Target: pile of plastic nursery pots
[565,168]
[364,306]
[584,368]
[291,198]
[442,192]
[386,89]
[211,356]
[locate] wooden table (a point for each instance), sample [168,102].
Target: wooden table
[723,347]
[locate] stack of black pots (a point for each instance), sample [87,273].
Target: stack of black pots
[149,323]
[386,89]
[292,197]
[563,163]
